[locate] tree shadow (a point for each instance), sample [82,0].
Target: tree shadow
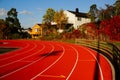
[54,53]
[97,70]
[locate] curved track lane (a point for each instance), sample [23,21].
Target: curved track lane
[47,60]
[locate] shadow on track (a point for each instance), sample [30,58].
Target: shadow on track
[54,53]
[97,71]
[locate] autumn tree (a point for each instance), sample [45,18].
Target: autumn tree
[107,13]
[117,7]
[111,28]
[61,19]
[49,17]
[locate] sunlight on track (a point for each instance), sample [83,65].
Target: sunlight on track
[24,66]
[101,74]
[77,57]
[20,58]
[88,60]
[53,61]
[50,65]
[27,45]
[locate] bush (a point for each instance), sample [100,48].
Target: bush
[15,36]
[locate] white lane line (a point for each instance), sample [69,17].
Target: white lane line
[77,57]
[26,65]
[25,61]
[21,58]
[5,42]
[53,76]
[50,65]
[16,54]
[96,61]
[6,46]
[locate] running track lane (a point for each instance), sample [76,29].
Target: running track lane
[57,61]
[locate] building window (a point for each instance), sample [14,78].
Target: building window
[36,29]
[79,18]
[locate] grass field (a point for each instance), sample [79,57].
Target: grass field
[4,50]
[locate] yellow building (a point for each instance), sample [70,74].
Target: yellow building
[36,31]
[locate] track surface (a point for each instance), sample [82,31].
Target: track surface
[47,60]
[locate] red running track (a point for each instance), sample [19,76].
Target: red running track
[47,60]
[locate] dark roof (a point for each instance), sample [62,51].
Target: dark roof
[39,24]
[79,14]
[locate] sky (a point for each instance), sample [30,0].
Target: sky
[30,12]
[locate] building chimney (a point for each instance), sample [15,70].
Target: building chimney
[77,10]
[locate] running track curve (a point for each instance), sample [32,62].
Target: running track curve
[48,60]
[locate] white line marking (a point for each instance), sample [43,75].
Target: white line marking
[20,59]
[16,54]
[60,76]
[74,64]
[25,61]
[97,62]
[25,65]
[50,65]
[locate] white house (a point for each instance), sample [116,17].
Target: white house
[76,18]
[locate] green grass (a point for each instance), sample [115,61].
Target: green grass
[4,50]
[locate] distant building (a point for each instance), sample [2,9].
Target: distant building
[36,31]
[76,18]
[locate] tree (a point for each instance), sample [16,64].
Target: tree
[111,28]
[49,16]
[93,12]
[2,28]
[117,7]
[12,21]
[107,13]
[61,19]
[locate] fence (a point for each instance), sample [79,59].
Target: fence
[108,49]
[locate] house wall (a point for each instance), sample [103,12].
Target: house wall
[36,31]
[80,21]
[72,19]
